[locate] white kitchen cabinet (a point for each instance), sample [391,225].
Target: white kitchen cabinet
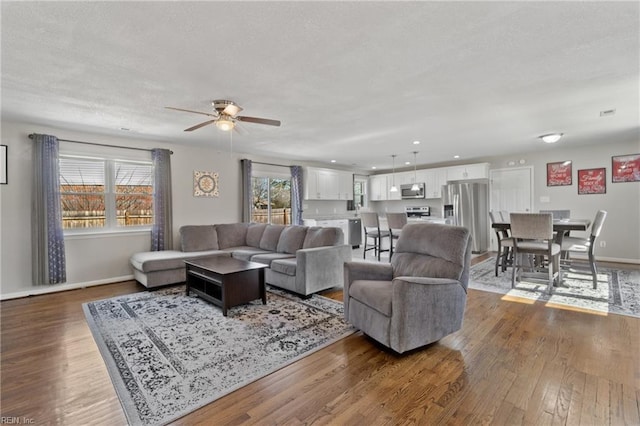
[311,189]
[344,225]
[328,184]
[391,181]
[468,171]
[324,184]
[378,190]
[345,186]
[404,178]
[434,181]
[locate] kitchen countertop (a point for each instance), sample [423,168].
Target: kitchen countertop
[332,217]
[382,218]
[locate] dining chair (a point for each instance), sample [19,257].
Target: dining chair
[395,222]
[371,225]
[558,214]
[505,244]
[532,234]
[586,245]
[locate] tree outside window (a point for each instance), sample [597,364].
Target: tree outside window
[271,200]
[105,194]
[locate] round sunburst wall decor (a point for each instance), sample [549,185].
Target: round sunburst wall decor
[205,184]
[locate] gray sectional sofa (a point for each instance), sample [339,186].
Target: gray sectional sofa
[301,259]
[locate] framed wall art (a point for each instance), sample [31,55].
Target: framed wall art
[559,174]
[4,176]
[592,181]
[205,184]
[625,168]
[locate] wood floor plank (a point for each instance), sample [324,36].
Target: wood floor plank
[514,362]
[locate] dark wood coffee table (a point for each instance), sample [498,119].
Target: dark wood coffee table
[225,281]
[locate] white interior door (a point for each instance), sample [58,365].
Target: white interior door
[511,190]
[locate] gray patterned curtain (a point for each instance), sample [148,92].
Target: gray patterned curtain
[246,190]
[162,230]
[296,195]
[47,237]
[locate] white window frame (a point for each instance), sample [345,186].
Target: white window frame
[271,172]
[111,220]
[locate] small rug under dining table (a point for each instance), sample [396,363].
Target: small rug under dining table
[169,354]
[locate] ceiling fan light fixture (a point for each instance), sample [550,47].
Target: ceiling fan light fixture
[232,110]
[225,124]
[551,137]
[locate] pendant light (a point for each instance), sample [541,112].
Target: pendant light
[393,188]
[415,186]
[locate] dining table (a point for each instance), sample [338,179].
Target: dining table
[560,227]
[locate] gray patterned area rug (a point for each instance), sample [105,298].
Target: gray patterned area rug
[169,354]
[618,290]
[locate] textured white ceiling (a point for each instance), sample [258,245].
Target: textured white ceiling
[351,81]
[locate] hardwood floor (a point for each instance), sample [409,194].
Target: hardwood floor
[512,363]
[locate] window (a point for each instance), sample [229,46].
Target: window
[271,200]
[105,194]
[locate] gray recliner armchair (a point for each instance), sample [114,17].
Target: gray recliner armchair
[420,296]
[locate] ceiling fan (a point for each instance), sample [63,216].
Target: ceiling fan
[225,116]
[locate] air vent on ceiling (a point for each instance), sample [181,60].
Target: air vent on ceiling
[607,113]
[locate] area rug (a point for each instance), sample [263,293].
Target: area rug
[618,290]
[169,354]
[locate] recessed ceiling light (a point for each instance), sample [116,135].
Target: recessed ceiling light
[333,161]
[373,167]
[407,162]
[551,137]
[456,156]
[416,142]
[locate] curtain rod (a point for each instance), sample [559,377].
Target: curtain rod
[102,144]
[269,164]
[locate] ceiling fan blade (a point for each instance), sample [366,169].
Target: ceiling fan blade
[197,126]
[240,129]
[195,112]
[232,110]
[266,121]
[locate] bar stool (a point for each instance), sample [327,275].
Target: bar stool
[395,221]
[371,225]
[505,244]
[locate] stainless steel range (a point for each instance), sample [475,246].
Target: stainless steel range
[418,212]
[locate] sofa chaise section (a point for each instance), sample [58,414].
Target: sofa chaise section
[158,268]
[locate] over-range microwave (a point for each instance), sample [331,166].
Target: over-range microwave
[408,192]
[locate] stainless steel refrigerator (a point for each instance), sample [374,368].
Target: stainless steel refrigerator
[467,204]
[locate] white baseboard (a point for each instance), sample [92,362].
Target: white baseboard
[35,291]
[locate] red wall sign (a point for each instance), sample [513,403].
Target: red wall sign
[625,168]
[592,181]
[559,174]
